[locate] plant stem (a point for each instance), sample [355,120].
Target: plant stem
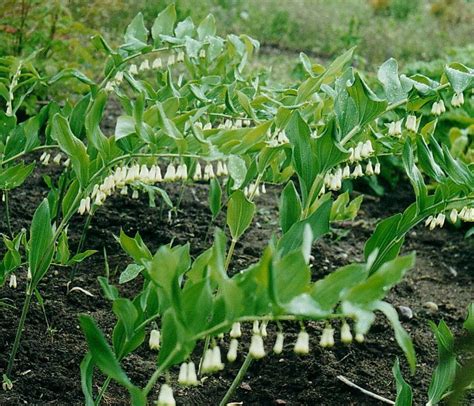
[230,253]
[158,372]
[238,379]
[81,244]
[7,213]
[102,391]
[19,331]
[204,350]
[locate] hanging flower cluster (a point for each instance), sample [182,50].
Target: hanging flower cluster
[46,156]
[465,214]
[278,138]
[457,100]
[124,176]
[253,189]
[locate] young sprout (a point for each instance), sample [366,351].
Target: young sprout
[166,398]
[278,347]
[154,341]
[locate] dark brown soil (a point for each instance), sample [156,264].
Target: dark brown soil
[47,365]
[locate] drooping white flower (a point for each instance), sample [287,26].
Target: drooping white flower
[233,347]
[13,282]
[82,207]
[327,338]
[157,63]
[144,173]
[346,173]
[171,60]
[166,398]
[109,86]
[154,341]
[457,100]
[357,171]
[183,374]
[202,53]
[438,108]
[302,343]
[207,126]
[182,172]
[46,158]
[207,362]
[197,172]
[346,335]
[67,162]
[395,128]
[216,359]
[236,331]
[124,191]
[57,158]
[263,329]
[411,123]
[263,188]
[118,78]
[369,170]
[453,216]
[278,347]
[180,57]
[192,376]
[135,194]
[209,172]
[377,168]
[257,350]
[256,327]
[440,219]
[133,70]
[358,151]
[359,337]
[145,65]
[366,149]
[170,174]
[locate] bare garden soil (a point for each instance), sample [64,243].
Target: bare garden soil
[47,365]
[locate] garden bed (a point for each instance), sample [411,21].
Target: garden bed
[47,366]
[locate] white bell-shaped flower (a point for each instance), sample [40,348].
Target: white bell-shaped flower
[278,347]
[133,70]
[233,347]
[302,343]
[166,398]
[183,374]
[157,63]
[457,100]
[257,349]
[154,341]
[145,65]
[411,123]
[170,174]
[13,282]
[346,335]
[236,331]
[192,376]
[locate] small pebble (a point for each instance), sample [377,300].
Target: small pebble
[405,312]
[453,271]
[431,306]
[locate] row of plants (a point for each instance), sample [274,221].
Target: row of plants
[192,112]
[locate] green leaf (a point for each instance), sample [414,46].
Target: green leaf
[207,28]
[404,391]
[388,75]
[469,322]
[164,23]
[73,147]
[303,157]
[215,194]
[460,77]
[71,73]
[378,284]
[110,291]
[237,170]
[367,104]
[41,244]
[87,371]
[101,352]
[328,292]
[291,276]
[124,127]
[415,176]
[290,207]
[130,273]
[136,34]
[402,337]
[319,223]
[14,176]
[126,314]
[445,371]
[240,213]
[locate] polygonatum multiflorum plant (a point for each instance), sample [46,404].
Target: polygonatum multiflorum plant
[193,112]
